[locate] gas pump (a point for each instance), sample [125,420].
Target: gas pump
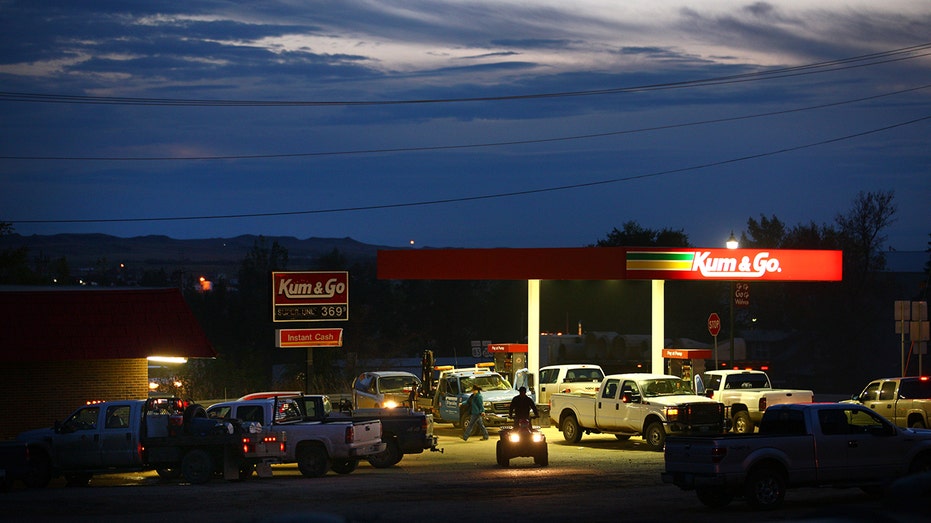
[509,358]
[685,362]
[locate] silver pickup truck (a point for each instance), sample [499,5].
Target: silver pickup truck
[316,446]
[798,445]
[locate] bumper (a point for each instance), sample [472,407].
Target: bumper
[496,420]
[368,450]
[676,427]
[689,481]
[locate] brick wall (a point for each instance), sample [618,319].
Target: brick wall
[39,393]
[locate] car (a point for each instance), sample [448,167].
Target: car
[386,389]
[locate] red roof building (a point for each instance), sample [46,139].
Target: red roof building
[63,347]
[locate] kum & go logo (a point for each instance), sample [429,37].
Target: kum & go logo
[739,264]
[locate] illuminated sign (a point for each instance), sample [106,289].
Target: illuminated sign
[737,264]
[507,347]
[288,338]
[687,354]
[310,296]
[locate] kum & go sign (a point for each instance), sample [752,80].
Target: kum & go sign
[737,264]
[310,296]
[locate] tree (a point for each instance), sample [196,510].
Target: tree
[634,235]
[862,230]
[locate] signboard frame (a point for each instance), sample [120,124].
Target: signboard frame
[307,296]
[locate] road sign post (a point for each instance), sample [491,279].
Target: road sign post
[714,328]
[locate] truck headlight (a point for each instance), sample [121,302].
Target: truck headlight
[672,413]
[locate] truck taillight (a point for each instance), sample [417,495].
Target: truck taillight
[717,454]
[763,403]
[350,434]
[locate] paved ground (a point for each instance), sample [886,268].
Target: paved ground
[599,479]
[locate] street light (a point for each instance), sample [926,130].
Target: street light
[732,244]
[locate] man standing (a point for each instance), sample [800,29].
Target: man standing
[521,406]
[477,408]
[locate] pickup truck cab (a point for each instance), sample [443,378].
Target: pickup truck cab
[316,446]
[903,401]
[746,394]
[455,385]
[798,445]
[580,377]
[626,405]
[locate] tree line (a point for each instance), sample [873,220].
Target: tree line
[838,332]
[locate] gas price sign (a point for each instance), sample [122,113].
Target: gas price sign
[310,296]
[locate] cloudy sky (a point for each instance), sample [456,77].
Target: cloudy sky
[461,123]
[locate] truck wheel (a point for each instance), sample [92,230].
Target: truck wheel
[714,497]
[388,457]
[742,423]
[503,460]
[246,471]
[312,461]
[168,472]
[39,473]
[77,479]
[197,467]
[655,435]
[463,421]
[571,430]
[765,488]
[344,466]
[917,424]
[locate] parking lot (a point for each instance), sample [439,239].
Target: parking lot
[598,479]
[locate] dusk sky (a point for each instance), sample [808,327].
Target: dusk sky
[461,123]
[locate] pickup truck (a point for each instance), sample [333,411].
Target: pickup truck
[798,445]
[903,401]
[166,434]
[626,405]
[746,394]
[404,430]
[316,446]
[581,377]
[454,386]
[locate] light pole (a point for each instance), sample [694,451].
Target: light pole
[732,244]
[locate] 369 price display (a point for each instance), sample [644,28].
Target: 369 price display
[311,312]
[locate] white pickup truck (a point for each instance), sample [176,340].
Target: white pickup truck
[626,405]
[576,377]
[747,394]
[316,446]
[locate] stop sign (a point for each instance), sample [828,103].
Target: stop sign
[714,324]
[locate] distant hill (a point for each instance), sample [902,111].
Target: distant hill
[156,252]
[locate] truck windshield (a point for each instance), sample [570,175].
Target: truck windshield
[486,382]
[396,384]
[667,387]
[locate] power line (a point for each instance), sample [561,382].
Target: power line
[460,146]
[904,53]
[496,195]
